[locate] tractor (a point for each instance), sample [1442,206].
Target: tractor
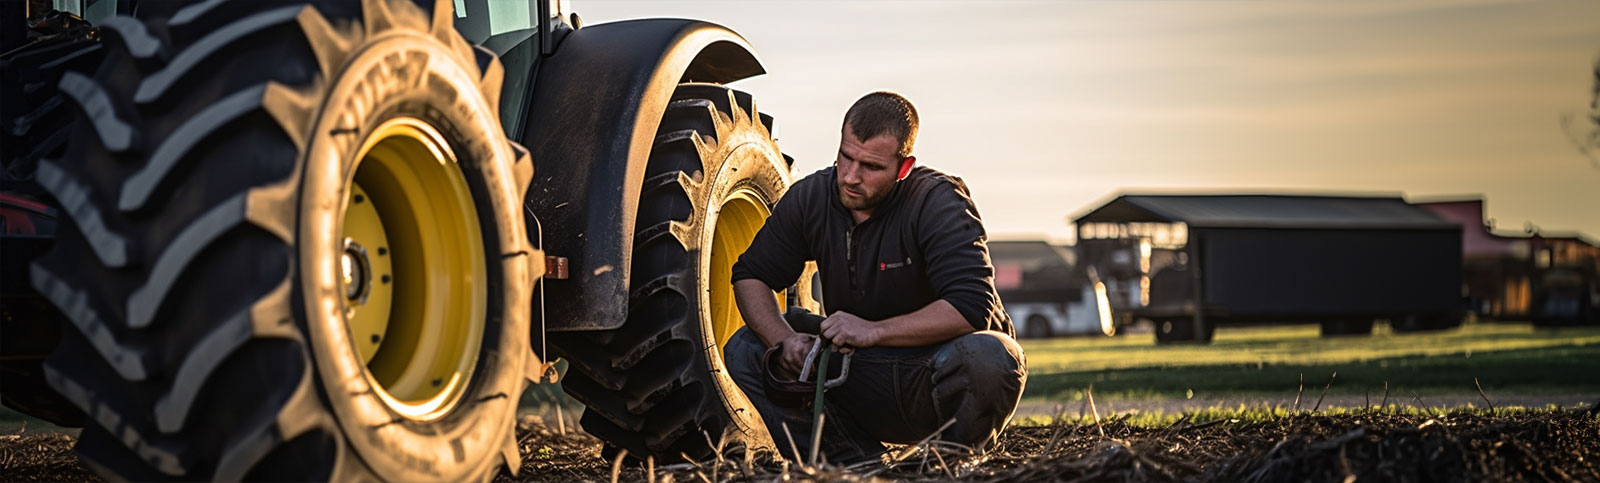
[337,240]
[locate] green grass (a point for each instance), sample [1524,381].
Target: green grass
[1506,358]
[1243,414]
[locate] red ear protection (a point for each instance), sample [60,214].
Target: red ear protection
[905,166]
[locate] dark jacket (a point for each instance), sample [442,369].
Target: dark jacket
[924,243]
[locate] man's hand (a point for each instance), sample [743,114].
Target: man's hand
[795,348]
[846,330]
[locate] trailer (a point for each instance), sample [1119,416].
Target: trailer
[1190,263]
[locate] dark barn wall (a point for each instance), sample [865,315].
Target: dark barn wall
[1316,272]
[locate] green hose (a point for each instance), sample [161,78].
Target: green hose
[822,382]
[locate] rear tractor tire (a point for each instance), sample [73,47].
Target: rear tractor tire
[296,248]
[657,386]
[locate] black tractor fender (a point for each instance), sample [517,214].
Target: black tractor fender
[591,124]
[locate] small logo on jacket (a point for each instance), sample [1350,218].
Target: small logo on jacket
[885,266]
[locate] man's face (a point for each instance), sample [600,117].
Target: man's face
[867,170]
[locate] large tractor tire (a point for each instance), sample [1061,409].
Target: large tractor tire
[296,249]
[657,386]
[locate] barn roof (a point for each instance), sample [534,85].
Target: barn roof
[1268,211]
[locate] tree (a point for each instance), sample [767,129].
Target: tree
[1585,133]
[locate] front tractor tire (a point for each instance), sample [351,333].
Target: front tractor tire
[657,386]
[296,248]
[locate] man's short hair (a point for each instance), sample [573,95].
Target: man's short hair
[881,113]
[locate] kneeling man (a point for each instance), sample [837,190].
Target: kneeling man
[909,289]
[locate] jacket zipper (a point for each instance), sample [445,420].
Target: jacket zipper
[850,256]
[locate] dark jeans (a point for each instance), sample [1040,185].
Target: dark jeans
[896,395]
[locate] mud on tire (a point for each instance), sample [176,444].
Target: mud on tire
[206,189]
[657,385]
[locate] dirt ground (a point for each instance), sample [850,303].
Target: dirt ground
[1550,445]
[40,457]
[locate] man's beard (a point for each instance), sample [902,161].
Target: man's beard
[872,201]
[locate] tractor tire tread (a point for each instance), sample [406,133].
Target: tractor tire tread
[644,384]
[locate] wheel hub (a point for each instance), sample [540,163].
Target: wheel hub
[413,269]
[356,269]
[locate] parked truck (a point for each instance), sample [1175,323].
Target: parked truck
[1044,291]
[337,239]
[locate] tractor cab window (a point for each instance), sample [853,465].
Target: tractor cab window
[511,30]
[480,20]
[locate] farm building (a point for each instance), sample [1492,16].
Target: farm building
[1189,263]
[1546,278]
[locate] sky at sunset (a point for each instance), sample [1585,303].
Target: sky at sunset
[1047,108]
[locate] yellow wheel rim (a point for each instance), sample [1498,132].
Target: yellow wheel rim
[413,269]
[737,221]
